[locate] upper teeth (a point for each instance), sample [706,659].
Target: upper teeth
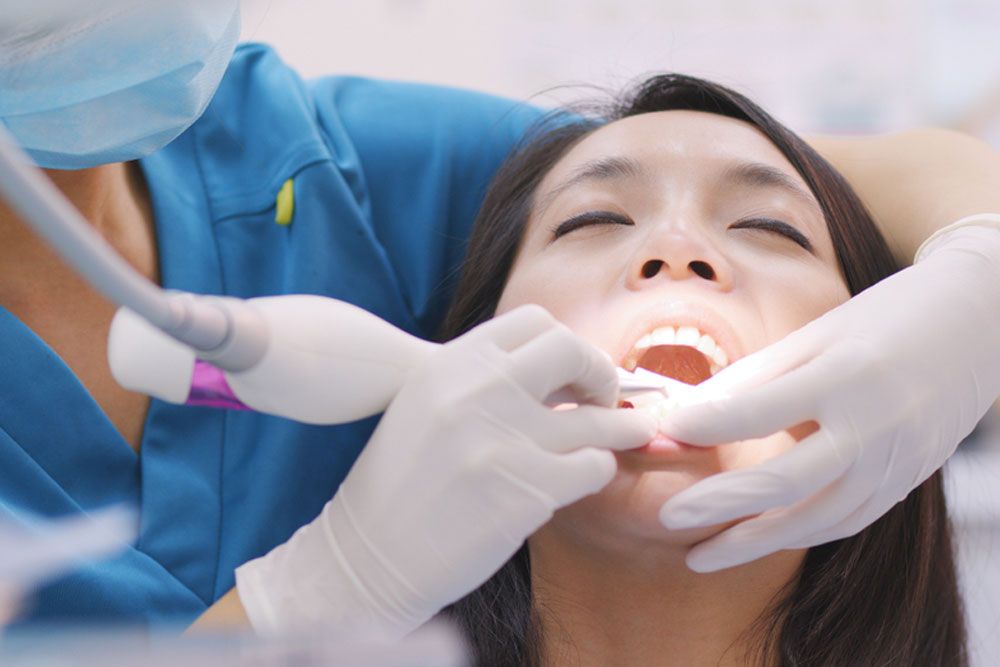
[687,336]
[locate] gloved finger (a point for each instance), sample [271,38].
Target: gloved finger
[789,477]
[760,367]
[782,403]
[559,359]
[776,530]
[570,477]
[833,533]
[515,328]
[881,490]
[592,426]
[865,515]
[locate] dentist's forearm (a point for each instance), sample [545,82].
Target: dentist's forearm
[918,181]
[226,615]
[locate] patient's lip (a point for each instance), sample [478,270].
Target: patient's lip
[662,446]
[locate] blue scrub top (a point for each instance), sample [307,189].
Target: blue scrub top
[387,179]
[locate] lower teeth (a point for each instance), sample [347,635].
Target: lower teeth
[653,403]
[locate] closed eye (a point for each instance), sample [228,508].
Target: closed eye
[588,219]
[776,226]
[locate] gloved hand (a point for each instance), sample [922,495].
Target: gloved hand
[896,378]
[466,463]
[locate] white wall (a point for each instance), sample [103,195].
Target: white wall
[820,65]
[972,479]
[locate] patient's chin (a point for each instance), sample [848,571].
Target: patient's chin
[624,516]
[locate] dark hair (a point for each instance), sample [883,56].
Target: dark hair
[886,596]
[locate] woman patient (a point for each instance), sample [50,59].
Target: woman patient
[680,231]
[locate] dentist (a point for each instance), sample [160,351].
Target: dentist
[217,170]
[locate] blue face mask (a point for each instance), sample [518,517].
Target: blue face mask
[113,82]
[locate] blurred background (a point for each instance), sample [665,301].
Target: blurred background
[847,66]
[852,66]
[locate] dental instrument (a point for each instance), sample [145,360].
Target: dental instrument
[643,381]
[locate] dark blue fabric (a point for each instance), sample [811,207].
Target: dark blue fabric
[388,178]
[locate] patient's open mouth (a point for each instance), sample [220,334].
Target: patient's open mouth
[681,363]
[683,353]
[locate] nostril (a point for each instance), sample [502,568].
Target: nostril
[651,268]
[703,269]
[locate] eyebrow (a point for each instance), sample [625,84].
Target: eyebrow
[758,175]
[604,169]
[742,174]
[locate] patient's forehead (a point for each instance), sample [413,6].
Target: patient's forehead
[694,141]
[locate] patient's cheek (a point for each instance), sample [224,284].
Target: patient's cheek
[749,453]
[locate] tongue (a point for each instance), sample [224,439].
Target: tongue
[677,361]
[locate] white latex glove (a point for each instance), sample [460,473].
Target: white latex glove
[896,378]
[467,462]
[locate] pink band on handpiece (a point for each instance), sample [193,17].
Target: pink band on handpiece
[209,389]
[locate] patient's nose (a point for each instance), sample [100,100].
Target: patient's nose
[679,256]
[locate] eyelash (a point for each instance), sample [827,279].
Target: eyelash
[776,226]
[588,219]
[606,217]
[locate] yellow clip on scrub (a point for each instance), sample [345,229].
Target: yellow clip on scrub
[286,203]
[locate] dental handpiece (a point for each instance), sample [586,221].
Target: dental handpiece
[330,362]
[327,362]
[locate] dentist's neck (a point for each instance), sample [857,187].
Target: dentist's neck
[113,198]
[59,306]
[601,608]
